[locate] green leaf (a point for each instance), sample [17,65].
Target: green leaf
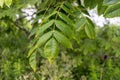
[40,42]
[41,29]
[66,9]
[31,51]
[1,3]
[8,2]
[51,49]
[110,2]
[101,9]
[113,11]
[69,5]
[62,39]
[32,61]
[90,4]
[47,17]
[89,29]
[43,39]
[65,18]
[64,28]
[80,23]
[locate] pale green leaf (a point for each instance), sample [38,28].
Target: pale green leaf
[80,23]
[40,42]
[51,49]
[110,2]
[62,39]
[8,2]
[1,3]
[113,11]
[32,61]
[64,28]
[89,29]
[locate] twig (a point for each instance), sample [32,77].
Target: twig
[21,28]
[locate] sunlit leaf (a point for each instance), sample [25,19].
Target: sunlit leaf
[80,23]
[32,61]
[109,2]
[1,3]
[89,29]
[51,49]
[8,2]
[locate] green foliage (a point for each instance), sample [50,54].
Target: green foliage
[13,45]
[66,36]
[7,2]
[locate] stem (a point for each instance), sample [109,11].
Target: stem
[102,70]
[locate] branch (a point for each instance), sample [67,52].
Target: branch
[21,28]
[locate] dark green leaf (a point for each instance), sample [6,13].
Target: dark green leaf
[89,3]
[65,18]
[66,9]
